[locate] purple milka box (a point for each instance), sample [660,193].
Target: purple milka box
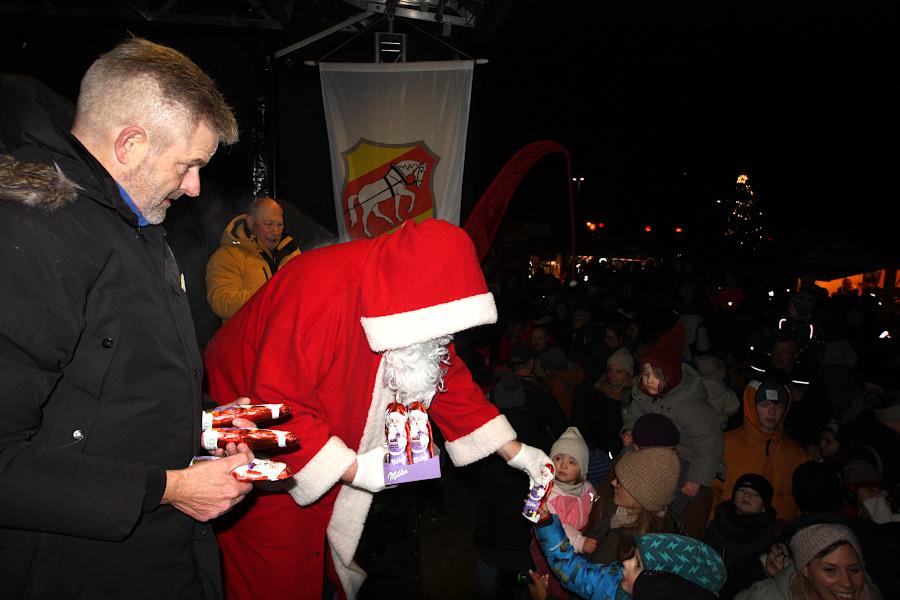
[429,469]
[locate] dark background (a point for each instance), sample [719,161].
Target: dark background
[661,107]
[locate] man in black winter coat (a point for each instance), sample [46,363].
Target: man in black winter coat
[99,369]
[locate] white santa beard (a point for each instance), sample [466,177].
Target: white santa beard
[415,373]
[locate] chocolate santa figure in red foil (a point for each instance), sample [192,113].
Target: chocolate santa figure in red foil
[396,429]
[420,440]
[538,494]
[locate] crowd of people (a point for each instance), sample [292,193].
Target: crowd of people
[706,440]
[766,432]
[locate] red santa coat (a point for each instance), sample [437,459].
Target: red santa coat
[300,341]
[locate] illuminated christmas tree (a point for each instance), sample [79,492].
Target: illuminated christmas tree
[743,224]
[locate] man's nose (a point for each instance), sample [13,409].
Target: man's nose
[190,183]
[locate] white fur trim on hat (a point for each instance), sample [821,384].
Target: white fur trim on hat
[482,442]
[399,330]
[321,472]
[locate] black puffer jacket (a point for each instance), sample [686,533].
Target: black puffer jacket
[100,376]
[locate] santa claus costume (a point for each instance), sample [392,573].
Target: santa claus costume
[313,338]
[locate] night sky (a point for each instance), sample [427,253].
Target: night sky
[661,107]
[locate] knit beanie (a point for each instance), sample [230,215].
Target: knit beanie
[621,358]
[861,474]
[654,430]
[422,282]
[817,488]
[650,475]
[811,540]
[665,354]
[758,484]
[572,443]
[683,556]
[770,391]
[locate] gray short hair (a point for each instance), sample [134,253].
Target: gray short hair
[256,205]
[142,83]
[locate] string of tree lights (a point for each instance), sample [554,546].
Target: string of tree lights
[743,222]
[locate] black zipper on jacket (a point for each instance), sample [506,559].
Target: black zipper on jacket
[273,265]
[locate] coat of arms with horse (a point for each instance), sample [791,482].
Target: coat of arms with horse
[386,184]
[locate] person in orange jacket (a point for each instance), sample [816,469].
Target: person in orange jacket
[760,445]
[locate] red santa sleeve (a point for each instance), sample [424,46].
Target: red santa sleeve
[289,368]
[472,426]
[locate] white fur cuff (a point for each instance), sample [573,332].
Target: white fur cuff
[482,442]
[322,472]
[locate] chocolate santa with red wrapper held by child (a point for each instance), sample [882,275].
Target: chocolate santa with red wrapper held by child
[338,335]
[538,495]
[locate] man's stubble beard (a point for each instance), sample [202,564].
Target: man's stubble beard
[144,191]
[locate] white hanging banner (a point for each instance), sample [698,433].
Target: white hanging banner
[397,134]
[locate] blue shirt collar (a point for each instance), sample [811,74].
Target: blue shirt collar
[142,222]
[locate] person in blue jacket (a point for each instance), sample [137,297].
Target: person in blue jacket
[663,565]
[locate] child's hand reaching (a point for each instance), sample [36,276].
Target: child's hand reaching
[589,545]
[544,512]
[537,587]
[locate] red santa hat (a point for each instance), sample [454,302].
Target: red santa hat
[422,282]
[666,353]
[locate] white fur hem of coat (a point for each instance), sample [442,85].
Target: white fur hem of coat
[321,472]
[352,505]
[482,442]
[351,576]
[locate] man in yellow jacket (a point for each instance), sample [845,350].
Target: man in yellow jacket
[252,250]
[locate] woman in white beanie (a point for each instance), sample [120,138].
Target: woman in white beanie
[827,565]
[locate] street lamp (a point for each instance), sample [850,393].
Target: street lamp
[577,181]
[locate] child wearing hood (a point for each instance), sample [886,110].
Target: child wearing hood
[673,389]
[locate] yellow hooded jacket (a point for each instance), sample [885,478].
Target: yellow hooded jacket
[240,266]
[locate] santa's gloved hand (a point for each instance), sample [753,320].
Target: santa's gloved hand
[370,470]
[531,460]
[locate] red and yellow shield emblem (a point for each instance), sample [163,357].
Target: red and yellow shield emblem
[386,184]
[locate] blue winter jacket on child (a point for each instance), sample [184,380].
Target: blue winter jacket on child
[576,573]
[690,560]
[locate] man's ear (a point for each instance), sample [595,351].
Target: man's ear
[131,145]
[805,571]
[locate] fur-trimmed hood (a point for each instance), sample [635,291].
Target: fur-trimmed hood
[37,185]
